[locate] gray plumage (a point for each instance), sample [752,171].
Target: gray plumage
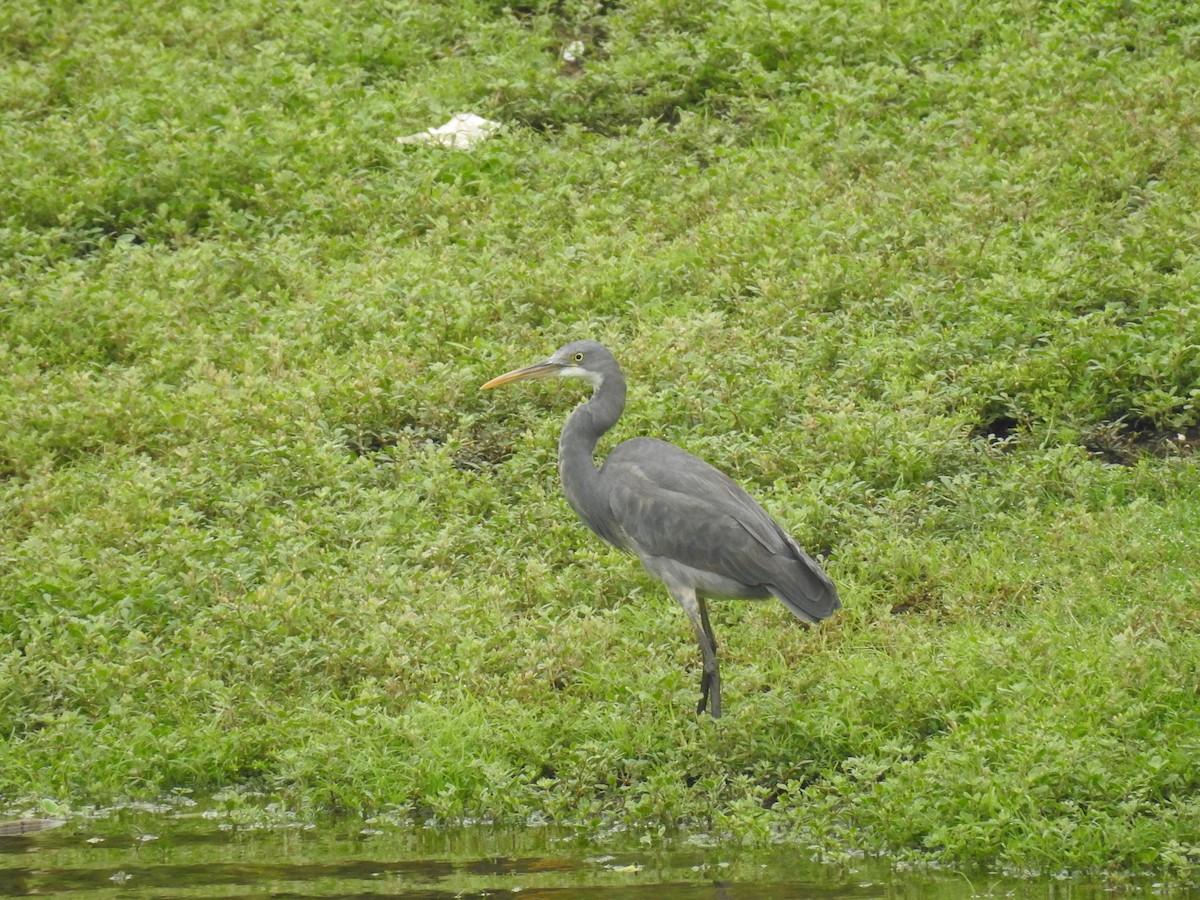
[689,523]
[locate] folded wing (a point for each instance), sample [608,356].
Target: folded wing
[669,503]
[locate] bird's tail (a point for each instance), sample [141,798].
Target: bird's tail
[804,588]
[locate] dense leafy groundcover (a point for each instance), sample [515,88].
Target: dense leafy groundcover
[922,275]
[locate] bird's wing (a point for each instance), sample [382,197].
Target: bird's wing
[672,504]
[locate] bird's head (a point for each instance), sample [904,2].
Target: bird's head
[579,359]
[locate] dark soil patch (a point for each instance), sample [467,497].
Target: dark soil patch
[1125,441]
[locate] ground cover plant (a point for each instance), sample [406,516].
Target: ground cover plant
[921,275]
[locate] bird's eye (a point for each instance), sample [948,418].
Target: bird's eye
[578,357]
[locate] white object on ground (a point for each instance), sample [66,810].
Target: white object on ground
[573,52]
[462,132]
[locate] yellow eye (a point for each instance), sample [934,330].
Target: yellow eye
[578,357]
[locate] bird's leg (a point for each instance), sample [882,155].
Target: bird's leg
[710,680]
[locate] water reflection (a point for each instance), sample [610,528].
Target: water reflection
[184,852]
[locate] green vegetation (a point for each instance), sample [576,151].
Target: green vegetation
[921,275]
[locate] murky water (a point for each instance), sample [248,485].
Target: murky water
[186,852]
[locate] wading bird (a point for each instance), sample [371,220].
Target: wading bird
[690,524]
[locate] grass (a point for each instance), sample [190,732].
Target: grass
[923,276]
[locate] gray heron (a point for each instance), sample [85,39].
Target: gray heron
[690,524]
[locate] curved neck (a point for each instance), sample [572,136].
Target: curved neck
[577,445]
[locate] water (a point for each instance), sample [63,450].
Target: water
[183,852]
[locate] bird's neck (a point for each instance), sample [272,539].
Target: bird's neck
[577,447]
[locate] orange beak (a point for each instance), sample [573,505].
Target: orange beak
[537,370]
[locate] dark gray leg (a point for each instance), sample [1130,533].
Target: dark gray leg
[710,684]
[710,680]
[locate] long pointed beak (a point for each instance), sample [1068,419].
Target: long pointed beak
[537,370]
